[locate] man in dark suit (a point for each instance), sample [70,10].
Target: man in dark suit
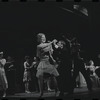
[79,66]
[64,69]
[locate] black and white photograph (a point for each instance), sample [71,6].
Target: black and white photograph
[50,50]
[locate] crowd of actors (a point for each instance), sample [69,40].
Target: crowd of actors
[56,62]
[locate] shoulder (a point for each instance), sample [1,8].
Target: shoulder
[25,63]
[4,60]
[39,46]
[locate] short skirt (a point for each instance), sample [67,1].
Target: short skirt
[45,67]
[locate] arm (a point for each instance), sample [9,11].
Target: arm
[55,45]
[47,44]
[73,39]
[25,66]
[11,66]
[33,64]
[68,40]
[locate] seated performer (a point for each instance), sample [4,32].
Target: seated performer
[44,51]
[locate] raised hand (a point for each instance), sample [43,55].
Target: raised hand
[54,41]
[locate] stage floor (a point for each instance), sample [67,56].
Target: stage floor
[79,93]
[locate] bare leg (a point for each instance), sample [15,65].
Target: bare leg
[4,94]
[27,87]
[48,84]
[55,84]
[40,81]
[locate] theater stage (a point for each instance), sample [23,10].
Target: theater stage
[79,93]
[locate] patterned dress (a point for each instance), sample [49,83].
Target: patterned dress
[44,65]
[3,79]
[27,73]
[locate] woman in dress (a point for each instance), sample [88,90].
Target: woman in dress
[3,79]
[44,54]
[27,73]
[80,81]
[91,70]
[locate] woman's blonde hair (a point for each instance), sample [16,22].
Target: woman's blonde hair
[39,35]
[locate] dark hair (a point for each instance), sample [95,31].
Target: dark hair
[27,57]
[62,42]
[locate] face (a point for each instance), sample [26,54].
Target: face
[43,39]
[34,58]
[60,44]
[91,62]
[27,60]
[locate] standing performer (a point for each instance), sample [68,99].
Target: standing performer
[91,70]
[44,54]
[79,66]
[64,68]
[3,79]
[27,73]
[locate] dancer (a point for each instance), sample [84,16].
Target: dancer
[44,54]
[27,73]
[91,70]
[64,68]
[79,66]
[3,79]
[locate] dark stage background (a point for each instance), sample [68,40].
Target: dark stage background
[20,23]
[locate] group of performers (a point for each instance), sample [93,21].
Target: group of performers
[47,65]
[59,61]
